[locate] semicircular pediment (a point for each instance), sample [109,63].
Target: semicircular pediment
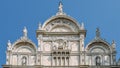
[98,47]
[98,42]
[24,47]
[23,41]
[63,24]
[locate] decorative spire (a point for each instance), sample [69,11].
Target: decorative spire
[25,32]
[39,26]
[97,32]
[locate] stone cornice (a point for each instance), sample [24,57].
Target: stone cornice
[42,32]
[75,66]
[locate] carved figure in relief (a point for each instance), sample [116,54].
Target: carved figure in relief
[60,44]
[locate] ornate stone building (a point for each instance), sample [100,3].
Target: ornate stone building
[61,45]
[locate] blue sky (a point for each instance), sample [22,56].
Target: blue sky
[15,14]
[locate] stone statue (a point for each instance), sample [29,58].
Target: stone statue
[113,44]
[82,26]
[60,7]
[97,32]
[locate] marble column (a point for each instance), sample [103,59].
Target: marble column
[65,61]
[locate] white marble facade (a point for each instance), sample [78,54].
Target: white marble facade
[60,43]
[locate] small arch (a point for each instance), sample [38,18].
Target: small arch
[67,53]
[63,57]
[59,52]
[54,52]
[63,53]
[54,57]
[67,57]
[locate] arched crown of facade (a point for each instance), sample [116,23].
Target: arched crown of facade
[98,42]
[23,41]
[61,19]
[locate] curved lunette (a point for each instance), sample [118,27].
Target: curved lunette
[94,47]
[56,26]
[26,47]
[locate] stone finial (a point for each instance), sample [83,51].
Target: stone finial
[82,25]
[9,45]
[113,44]
[97,32]
[39,26]
[25,32]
